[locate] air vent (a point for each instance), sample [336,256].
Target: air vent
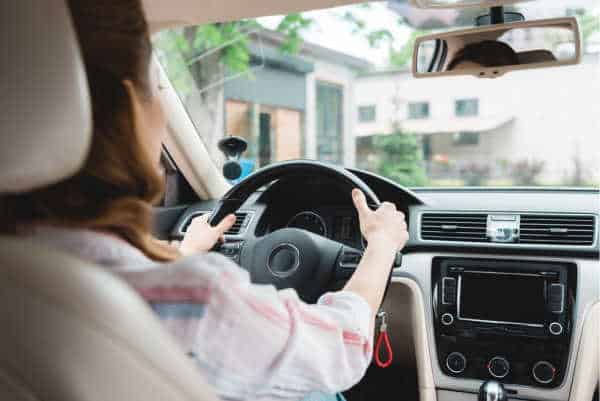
[557,229]
[470,227]
[242,220]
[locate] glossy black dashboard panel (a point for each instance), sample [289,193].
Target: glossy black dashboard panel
[319,205]
[278,203]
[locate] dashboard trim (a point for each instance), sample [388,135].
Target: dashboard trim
[420,240]
[195,213]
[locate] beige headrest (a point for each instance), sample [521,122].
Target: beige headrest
[45,128]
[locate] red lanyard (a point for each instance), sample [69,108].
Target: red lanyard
[383,338]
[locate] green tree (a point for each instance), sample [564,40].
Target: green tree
[222,47]
[588,23]
[401,158]
[403,57]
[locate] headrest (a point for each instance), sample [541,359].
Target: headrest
[45,129]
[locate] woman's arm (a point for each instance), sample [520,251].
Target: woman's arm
[386,233]
[252,341]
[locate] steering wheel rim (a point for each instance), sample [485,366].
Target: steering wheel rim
[239,193]
[292,257]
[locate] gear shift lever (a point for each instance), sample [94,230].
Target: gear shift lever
[492,390]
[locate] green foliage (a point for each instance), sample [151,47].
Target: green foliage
[180,50]
[375,37]
[588,24]
[172,49]
[403,57]
[292,26]
[400,159]
[358,24]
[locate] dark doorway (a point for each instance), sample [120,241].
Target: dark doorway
[264,139]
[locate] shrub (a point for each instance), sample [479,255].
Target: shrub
[401,159]
[475,174]
[525,172]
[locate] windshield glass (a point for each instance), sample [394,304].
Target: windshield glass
[335,85]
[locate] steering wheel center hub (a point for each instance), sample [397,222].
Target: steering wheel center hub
[292,258]
[284,260]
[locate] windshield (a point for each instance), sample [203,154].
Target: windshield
[335,85]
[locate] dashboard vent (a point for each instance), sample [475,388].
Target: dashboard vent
[557,229]
[470,227]
[242,220]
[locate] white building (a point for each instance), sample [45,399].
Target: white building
[548,115]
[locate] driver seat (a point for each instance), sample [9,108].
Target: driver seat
[69,331]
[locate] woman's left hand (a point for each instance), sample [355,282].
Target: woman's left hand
[202,237]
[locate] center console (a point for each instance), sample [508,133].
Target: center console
[504,320]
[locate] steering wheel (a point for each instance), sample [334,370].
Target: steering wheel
[292,257]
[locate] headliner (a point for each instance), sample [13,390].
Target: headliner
[163,14]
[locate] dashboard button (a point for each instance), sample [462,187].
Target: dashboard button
[447,319]
[556,297]
[456,362]
[555,328]
[498,367]
[543,372]
[448,291]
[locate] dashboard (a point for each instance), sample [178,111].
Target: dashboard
[466,236]
[330,214]
[338,223]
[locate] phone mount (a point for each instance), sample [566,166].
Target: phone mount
[232,147]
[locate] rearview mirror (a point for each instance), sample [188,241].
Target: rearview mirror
[462,3]
[493,50]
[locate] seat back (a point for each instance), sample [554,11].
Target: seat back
[73,332]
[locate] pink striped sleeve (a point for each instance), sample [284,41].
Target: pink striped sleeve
[253,341]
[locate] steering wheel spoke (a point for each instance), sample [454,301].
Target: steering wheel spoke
[347,262]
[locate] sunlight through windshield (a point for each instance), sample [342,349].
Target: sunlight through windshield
[335,85]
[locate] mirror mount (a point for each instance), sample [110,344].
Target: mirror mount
[458,4]
[498,15]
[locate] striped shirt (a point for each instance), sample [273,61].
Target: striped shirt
[251,342]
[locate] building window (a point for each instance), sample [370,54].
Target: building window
[466,107]
[366,114]
[418,110]
[465,139]
[330,139]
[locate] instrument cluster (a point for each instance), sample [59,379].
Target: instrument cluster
[336,223]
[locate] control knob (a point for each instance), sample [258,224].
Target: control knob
[456,362]
[498,367]
[543,372]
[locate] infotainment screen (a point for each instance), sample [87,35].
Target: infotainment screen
[502,298]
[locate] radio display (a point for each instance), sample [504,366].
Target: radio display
[502,298]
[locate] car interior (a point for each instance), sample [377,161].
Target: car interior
[497,285]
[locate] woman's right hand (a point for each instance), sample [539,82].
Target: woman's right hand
[385,226]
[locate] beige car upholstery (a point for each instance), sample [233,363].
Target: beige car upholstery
[69,331]
[73,332]
[45,125]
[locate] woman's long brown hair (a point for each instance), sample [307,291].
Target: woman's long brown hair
[119,182]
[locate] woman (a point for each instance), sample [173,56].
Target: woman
[487,53]
[249,341]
